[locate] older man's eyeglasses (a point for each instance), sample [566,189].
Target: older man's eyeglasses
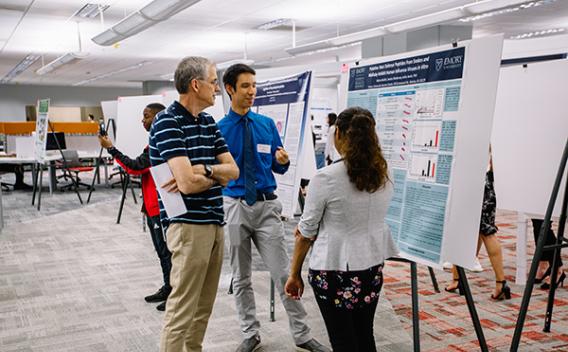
[214,82]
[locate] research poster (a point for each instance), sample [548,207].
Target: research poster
[417,100]
[42,126]
[285,101]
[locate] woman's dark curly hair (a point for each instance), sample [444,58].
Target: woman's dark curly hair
[366,166]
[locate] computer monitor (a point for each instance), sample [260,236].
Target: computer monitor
[53,138]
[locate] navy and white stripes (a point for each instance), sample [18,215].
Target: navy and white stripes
[175,132]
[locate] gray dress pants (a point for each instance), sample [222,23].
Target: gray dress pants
[261,224]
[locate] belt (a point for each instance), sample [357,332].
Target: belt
[263,196]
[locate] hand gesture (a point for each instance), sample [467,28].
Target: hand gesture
[105,141]
[294,287]
[282,156]
[170,186]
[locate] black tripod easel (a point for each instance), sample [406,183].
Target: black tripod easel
[38,166]
[464,289]
[561,242]
[126,182]
[110,124]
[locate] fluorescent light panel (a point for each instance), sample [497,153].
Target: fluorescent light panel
[475,8]
[60,61]
[108,74]
[542,33]
[274,24]
[20,67]
[149,15]
[90,10]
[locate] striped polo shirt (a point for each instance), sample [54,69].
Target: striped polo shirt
[175,132]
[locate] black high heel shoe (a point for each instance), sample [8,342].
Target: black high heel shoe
[458,287]
[544,276]
[559,283]
[505,292]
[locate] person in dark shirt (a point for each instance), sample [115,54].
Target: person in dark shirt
[150,207]
[188,141]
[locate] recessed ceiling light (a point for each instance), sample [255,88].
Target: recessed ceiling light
[90,10]
[20,67]
[525,6]
[276,23]
[539,33]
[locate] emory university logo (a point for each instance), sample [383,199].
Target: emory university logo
[439,63]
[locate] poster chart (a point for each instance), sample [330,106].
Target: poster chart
[437,150]
[42,126]
[285,101]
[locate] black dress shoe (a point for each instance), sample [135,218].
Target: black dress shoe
[162,306]
[22,187]
[559,282]
[159,296]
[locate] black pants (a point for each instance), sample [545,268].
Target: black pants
[161,248]
[549,240]
[349,330]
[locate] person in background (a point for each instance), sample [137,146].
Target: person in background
[487,235]
[150,207]
[331,153]
[546,260]
[344,220]
[189,141]
[253,212]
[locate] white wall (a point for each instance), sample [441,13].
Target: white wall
[14,98]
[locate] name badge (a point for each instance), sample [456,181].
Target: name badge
[263,148]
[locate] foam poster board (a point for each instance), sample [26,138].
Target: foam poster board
[529,134]
[286,101]
[131,137]
[434,111]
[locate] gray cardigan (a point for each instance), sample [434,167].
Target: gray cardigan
[349,224]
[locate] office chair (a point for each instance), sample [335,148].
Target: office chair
[72,165]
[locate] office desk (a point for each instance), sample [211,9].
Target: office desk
[50,160]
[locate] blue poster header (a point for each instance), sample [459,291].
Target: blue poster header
[439,66]
[284,91]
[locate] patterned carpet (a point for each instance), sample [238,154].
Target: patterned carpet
[445,323]
[73,280]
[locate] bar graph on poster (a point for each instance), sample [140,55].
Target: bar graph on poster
[417,100]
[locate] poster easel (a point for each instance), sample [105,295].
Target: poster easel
[540,247]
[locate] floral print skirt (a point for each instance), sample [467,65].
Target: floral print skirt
[347,289]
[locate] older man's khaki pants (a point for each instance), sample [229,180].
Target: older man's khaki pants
[197,255]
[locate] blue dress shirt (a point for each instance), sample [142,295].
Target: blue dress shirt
[265,140]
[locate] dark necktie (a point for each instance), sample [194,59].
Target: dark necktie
[249,165]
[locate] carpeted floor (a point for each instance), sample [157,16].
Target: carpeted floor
[71,279]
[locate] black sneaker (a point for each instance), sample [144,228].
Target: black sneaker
[159,296]
[249,345]
[313,346]
[162,306]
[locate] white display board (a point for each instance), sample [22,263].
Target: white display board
[434,111]
[529,134]
[131,137]
[42,126]
[216,111]
[110,108]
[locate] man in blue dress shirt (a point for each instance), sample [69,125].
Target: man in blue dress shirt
[252,210]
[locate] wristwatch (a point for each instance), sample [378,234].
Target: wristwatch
[208,170]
